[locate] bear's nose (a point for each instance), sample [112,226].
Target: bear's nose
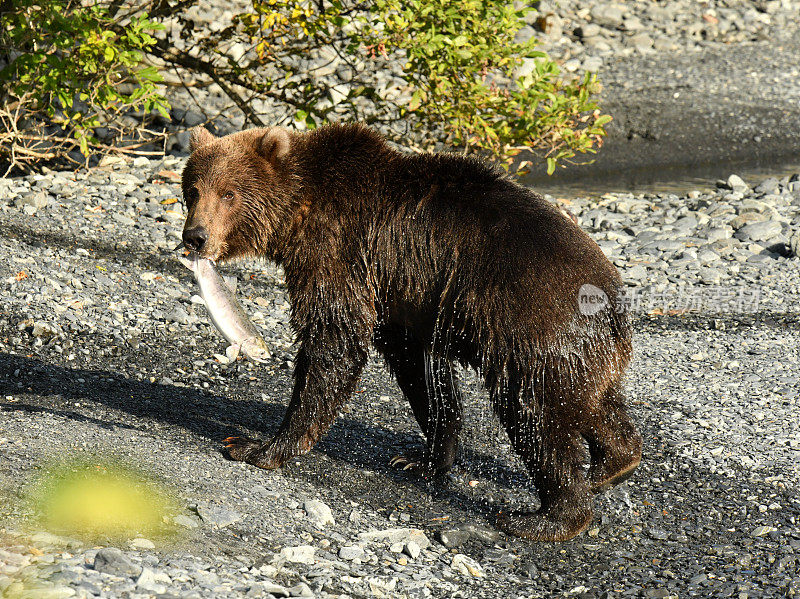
[195,238]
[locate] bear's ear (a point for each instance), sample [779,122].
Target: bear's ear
[274,144]
[199,138]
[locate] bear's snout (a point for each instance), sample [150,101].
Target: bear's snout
[195,238]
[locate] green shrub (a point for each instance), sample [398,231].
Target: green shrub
[457,61]
[462,59]
[75,67]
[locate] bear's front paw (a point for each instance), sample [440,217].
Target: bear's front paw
[242,449]
[615,463]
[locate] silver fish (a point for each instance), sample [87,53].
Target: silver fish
[225,312]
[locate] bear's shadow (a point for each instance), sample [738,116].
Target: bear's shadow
[214,417]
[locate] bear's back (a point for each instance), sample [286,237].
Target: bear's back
[493,222]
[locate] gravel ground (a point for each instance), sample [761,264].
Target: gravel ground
[105,352]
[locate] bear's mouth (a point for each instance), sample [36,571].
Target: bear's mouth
[216,256]
[212,252]
[181,247]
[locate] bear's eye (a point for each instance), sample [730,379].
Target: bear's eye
[228,196]
[192,195]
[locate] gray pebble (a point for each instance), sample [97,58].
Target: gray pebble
[111,560]
[186,521]
[178,315]
[760,231]
[218,516]
[352,552]
[397,535]
[768,185]
[453,537]
[608,14]
[641,42]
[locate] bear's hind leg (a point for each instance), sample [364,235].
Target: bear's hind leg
[615,446]
[430,386]
[553,452]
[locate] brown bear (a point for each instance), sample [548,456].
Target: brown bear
[432,259]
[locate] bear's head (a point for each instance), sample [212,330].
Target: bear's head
[238,189]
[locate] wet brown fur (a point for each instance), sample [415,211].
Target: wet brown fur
[433,259]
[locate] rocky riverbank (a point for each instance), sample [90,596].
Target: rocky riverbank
[694,87]
[105,352]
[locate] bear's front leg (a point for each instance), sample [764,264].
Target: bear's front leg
[329,365]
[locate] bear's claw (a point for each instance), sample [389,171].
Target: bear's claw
[404,463]
[603,483]
[239,448]
[419,465]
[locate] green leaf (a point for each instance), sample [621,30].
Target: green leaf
[602,120]
[416,100]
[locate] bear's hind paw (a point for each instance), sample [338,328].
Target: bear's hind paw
[538,526]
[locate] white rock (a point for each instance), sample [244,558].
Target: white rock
[302,554]
[736,183]
[338,93]
[319,513]
[300,590]
[397,535]
[381,586]
[237,51]
[147,582]
[467,566]
[140,543]
[44,329]
[412,550]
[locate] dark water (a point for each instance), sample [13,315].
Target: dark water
[679,180]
